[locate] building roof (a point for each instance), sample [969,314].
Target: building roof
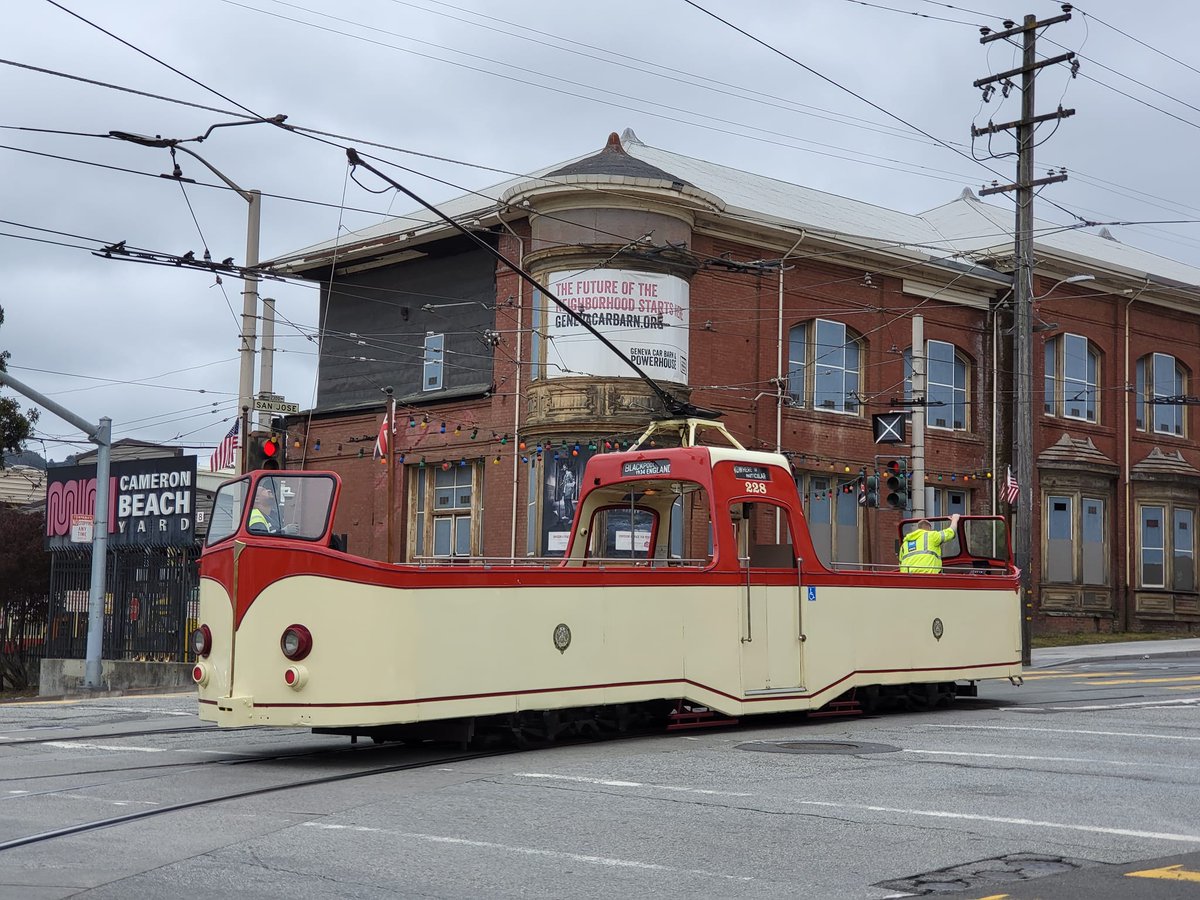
[129,448]
[22,486]
[983,230]
[966,229]
[613,160]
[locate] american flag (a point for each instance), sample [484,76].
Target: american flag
[1011,491]
[222,457]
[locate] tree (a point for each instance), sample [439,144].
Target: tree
[15,426]
[24,592]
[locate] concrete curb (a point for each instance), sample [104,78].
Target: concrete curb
[1063,656]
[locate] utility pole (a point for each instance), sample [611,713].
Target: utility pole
[1023,443]
[266,362]
[249,335]
[920,394]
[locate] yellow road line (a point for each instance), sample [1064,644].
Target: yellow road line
[1193,679]
[1170,873]
[1076,675]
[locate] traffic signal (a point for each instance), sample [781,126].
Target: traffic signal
[273,452]
[265,451]
[897,484]
[872,492]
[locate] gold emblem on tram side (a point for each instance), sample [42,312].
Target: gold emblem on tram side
[937,629]
[562,637]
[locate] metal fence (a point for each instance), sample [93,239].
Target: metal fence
[150,604]
[22,644]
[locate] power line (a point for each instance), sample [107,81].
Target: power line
[1150,47]
[152,57]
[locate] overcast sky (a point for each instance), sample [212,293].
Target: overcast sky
[510,87]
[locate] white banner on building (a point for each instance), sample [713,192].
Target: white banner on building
[644,315]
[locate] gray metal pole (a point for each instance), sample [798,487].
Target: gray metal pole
[249,310]
[92,673]
[101,436]
[1023,448]
[266,362]
[920,392]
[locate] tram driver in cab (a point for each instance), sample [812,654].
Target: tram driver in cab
[264,517]
[921,548]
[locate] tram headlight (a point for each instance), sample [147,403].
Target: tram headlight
[296,642]
[202,640]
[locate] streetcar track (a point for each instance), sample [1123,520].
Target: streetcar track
[195,729]
[175,767]
[96,825]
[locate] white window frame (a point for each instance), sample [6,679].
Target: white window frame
[940,390]
[809,365]
[1149,413]
[433,361]
[1062,385]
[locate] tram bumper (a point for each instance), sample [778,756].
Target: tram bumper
[234,712]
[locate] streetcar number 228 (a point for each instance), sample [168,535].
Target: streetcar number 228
[755,487]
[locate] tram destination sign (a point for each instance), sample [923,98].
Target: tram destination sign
[751,473]
[647,467]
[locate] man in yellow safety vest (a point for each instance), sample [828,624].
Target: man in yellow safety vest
[921,548]
[264,517]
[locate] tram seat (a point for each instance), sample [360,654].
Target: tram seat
[772,556]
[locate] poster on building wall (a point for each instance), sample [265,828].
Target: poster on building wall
[563,475]
[643,314]
[151,502]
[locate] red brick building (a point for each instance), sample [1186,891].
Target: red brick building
[791,312]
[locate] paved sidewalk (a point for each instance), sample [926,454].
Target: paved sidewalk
[1057,656]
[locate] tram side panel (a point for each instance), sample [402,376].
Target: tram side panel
[388,655]
[887,633]
[384,655]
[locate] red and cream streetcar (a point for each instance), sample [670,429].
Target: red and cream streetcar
[690,582]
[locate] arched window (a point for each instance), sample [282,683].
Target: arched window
[1072,372]
[946,385]
[824,362]
[1158,396]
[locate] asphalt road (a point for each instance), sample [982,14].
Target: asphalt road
[1082,783]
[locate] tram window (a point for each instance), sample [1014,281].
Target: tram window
[301,508]
[951,547]
[623,533]
[763,535]
[227,509]
[986,538]
[655,523]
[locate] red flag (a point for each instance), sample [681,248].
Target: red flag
[381,442]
